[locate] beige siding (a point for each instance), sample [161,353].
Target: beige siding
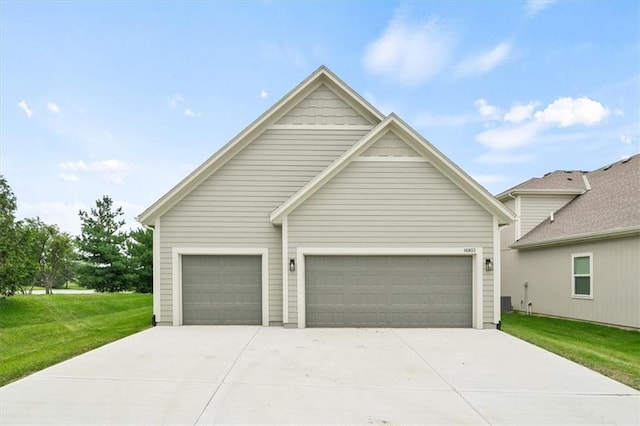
[534,209]
[390,145]
[391,204]
[323,106]
[231,208]
[616,281]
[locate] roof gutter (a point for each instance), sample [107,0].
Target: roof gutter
[602,235]
[511,194]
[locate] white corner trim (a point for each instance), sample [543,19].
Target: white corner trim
[474,252]
[178,252]
[392,159]
[496,272]
[285,269]
[302,300]
[518,221]
[157,309]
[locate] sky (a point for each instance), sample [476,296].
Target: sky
[126,98]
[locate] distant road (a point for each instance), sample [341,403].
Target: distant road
[65,291]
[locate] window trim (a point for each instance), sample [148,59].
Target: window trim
[574,275]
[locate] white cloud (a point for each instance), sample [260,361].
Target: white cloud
[504,138]
[502,158]
[569,111]
[486,110]
[484,62]
[110,165]
[74,166]
[626,139]
[63,214]
[174,100]
[535,6]
[53,108]
[410,52]
[68,177]
[190,113]
[519,113]
[23,106]
[264,94]
[112,170]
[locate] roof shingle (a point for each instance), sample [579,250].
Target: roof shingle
[612,204]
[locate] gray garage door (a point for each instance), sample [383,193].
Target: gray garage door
[221,290]
[388,291]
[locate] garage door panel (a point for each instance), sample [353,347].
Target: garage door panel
[388,291]
[221,289]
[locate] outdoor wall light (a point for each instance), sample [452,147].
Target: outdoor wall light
[292,265]
[488,265]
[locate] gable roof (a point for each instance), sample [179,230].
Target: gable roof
[320,76]
[420,145]
[611,207]
[558,182]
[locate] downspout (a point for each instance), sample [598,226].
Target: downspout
[153,316]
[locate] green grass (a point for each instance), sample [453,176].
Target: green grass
[608,350]
[39,331]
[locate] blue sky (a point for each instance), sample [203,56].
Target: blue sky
[126,98]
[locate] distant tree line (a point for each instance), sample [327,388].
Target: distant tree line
[103,257]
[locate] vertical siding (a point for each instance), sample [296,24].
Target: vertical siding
[323,106]
[616,281]
[391,204]
[231,208]
[535,209]
[390,145]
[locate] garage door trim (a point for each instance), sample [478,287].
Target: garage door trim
[474,252]
[177,254]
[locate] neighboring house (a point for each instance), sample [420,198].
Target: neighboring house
[574,248]
[325,212]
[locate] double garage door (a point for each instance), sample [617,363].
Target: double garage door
[388,291]
[340,291]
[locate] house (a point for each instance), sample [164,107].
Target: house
[325,212]
[574,248]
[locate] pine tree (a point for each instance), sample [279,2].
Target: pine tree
[103,264]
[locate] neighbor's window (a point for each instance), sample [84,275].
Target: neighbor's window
[582,276]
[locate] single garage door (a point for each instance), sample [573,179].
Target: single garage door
[221,290]
[388,291]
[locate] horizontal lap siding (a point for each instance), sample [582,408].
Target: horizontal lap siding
[390,204]
[616,281]
[535,209]
[231,208]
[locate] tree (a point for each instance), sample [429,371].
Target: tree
[140,254]
[103,265]
[51,251]
[9,279]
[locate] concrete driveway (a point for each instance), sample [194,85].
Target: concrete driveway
[203,375]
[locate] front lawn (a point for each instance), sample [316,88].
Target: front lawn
[611,351]
[39,331]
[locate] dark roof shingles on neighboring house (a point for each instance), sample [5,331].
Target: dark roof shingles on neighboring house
[612,204]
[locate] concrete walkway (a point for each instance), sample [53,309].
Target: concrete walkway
[204,375]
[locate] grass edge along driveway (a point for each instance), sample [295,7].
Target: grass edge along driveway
[611,351]
[39,331]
